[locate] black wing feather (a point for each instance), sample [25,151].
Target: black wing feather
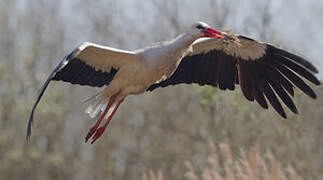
[283,95]
[297,81]
[272,98]
[78,72]
[293,57]
[42,90]
[276,71]
[258,88]
[297,68]
[74,71]
[192,69]
[277,76]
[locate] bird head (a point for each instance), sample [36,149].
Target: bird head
[201,29]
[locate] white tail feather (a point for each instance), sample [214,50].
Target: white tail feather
[96,111]
[97,105]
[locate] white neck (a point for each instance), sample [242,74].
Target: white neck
[182,43]
[185,39]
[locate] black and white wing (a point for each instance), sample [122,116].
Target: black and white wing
[89,64]
[262,70]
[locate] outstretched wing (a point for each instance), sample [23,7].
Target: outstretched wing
[89,64]
[262,70]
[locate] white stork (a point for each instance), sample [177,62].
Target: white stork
[200,55]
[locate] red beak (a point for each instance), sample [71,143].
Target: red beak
[209,32]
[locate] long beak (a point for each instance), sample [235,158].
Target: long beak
[209,32]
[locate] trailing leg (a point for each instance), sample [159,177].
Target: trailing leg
[94,128]
[101,130]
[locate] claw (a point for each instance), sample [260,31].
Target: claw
[91,132]
[98,134]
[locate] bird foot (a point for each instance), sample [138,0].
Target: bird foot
[91,132]
[98,134]
[99,131]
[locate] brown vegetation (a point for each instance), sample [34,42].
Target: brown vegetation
[222,165]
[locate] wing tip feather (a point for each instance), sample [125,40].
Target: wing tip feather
[295,58]
[41,93]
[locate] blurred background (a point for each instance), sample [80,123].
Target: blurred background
[182,132]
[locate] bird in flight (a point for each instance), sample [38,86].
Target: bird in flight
[200,55]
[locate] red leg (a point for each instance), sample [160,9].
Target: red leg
[95,127]
[100,131]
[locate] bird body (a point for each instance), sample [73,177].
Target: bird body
[162,59]
[200,55]
[159,61]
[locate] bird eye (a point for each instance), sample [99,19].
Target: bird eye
[199,26]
